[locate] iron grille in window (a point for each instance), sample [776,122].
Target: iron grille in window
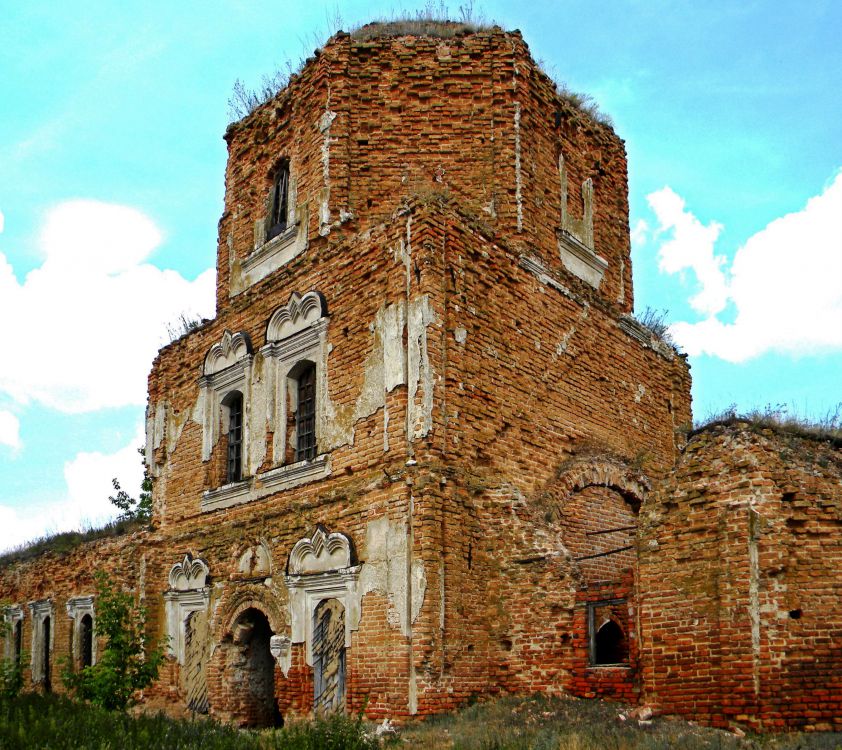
[235,439]
[280,202]
[305,415]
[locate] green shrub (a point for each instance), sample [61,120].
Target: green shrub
[11,678]
[124,667]
[337,732]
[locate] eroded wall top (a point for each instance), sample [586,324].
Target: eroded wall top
[369,122]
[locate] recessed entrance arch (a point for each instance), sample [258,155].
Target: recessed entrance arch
[250,671]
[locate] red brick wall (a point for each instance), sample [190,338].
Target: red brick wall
[739,584]
[541,415]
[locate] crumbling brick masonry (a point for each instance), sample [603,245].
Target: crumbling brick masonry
[423,452]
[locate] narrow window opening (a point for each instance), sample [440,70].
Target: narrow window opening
[86,638]
[280,201]
[45,633]
[305,415]
[234,465]
[610,644]
[18,641]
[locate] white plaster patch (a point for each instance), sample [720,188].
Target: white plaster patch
[324,204]
[518,179]
[385,572]
[420,375]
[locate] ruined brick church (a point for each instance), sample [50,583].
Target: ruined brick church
[424,452]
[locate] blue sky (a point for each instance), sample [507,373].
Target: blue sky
[111,186]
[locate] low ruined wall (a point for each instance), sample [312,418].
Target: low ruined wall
[739,580]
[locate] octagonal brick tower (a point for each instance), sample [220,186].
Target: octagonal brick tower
[410,449]
[370,122]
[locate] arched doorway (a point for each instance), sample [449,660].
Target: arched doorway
[251,671]
[329,657]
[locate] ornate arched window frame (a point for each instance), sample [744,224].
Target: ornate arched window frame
[188,592]
[77,607]
[40,611]
[12,615]
[296,335]
[226,370]
[322,566]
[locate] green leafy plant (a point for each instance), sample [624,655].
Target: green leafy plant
[11,678]
[124,666]
[134,510]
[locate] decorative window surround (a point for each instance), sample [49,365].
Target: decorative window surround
[575,237]
[39,611]
[296,332]
[11,616]
[77,608]
[227,368]
[267,483]
[188,593]
[321,567]
[580,260]
[269,256]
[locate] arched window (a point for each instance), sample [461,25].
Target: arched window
[86,641]
[610,644]
[305,413]
[234,463]
[279,201]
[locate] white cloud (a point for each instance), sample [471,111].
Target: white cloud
[690,247]
[81,331]
[785,282]
[9,430]
[639,233]
[88,479]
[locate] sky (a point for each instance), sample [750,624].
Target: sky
[111,186]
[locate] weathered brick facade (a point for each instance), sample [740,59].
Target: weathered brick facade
[431,239]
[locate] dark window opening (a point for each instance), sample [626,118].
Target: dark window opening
[234,465]
[305,415]
[45,632]
[18,641]
[610,644]
[280,202]
[86,641]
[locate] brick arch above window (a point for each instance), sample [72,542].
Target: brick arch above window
[575,476]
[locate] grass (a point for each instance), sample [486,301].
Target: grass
[65,541]
[538,723]
[53,722]
[433,19]
[779,419]
[542,723]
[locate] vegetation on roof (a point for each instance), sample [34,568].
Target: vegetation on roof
[433,19]
[778,419]
[655,321]
[65,541]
